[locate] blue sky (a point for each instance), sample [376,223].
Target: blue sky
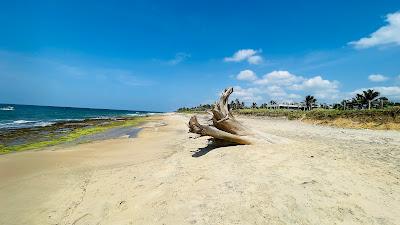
[161,55]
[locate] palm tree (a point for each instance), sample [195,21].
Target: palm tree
[337,106]
[274,104]
[310,101]
[232,105]
[360,98]
[370,95]
[359,101]
[237,103]
[383,100]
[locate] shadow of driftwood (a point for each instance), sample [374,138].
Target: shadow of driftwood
[213,144]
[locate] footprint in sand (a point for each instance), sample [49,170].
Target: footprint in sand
[122,205]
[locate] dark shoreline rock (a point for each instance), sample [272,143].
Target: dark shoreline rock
[18,136]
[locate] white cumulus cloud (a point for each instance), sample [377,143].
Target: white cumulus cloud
[377,78]
[276,91]
[284,86]
[388,34]
[250,55]
[255,59]
[316,82]
[246,75]
[321,88]
[279,77]
[247,95]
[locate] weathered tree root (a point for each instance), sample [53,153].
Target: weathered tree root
[225,126]
[205,130]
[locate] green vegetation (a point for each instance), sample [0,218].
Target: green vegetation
[368,99]
[392,114]
[365,110]
[387,118]
[290,114]
[199,109]
[310,101]
[72,135]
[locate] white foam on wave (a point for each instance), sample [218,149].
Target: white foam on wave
[7,108]
[141,114]
[25,124]
[23,121]
[43,124]
[151,114]
[133,114]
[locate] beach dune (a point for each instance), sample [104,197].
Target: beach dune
[321,175]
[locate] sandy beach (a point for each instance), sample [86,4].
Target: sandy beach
[320,175]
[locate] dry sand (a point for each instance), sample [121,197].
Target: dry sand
[322,175]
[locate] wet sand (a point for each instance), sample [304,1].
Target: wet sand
[322,175]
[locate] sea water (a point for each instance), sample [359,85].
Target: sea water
[14,116]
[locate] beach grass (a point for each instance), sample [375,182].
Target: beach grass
[381,119]
[72,135]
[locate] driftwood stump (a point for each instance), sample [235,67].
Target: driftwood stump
[225,127]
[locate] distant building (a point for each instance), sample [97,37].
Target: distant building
[293,106]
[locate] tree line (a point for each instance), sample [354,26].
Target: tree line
[366,100]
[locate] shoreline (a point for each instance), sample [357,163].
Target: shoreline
[68,132]
[132,128]
[69,148]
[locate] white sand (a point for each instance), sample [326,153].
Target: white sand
[322,175]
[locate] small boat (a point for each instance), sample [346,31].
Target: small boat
[7,108]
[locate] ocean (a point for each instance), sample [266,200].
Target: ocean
[13,116]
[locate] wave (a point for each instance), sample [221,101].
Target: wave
[43,124]
[133,114]
[7,108]
[25,124]
[32,117]
[141,114]
[23,121]
[152,113]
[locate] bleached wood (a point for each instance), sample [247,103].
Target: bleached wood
[225,126]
